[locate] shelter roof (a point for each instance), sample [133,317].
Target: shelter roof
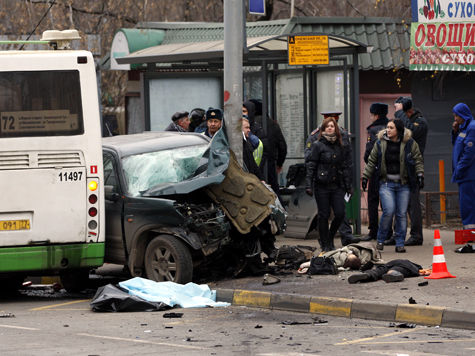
[388,37]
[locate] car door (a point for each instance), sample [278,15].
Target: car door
[114,204]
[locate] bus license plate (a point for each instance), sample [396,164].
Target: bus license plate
[10,225]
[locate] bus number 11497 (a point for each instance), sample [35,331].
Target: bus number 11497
[70,176]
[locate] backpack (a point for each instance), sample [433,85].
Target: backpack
[322,265]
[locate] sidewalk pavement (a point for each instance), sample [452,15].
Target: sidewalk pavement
[446,302]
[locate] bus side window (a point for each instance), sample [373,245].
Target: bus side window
[110,176]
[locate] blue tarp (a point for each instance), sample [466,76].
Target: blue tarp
[190,295]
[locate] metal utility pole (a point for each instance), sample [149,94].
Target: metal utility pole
[233,50]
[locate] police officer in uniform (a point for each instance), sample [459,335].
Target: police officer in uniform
[214,121]
[345,227]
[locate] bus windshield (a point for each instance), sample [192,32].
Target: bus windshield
[40,103]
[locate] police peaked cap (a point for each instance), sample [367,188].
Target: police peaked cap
[214,114]
[179,115]
[331,113]
[379,109]
[405,101]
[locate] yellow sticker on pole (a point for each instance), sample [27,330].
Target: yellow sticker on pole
[308,50]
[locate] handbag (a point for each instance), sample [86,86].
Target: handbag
[322,265]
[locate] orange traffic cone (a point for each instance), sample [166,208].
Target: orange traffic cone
[439,267]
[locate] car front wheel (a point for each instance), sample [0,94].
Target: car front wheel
[168,259]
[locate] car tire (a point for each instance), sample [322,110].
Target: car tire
[10,285]
[168,259]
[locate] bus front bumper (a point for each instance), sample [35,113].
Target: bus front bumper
[51,258]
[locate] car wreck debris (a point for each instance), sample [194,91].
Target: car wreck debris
[270,279]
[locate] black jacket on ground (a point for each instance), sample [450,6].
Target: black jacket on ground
[417,124]
[373,131]
[327,165]
[406,267]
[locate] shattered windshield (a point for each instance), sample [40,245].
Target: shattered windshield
[146,170]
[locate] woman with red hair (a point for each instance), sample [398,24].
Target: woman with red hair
[329,177]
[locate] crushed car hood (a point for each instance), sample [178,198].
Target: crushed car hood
[243,197]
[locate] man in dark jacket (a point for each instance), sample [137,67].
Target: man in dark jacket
[345,227]
[198,120]
[275,147]
[378,113]
[393,271]
[180,122]
[247,149]
[414,121]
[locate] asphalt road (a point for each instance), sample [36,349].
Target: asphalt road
[56,323]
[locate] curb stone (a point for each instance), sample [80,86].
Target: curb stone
[350,308]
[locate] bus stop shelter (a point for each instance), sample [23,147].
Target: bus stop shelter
[268,52]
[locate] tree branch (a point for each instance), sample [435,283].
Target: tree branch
[302,11]
[88,12]
[354,8]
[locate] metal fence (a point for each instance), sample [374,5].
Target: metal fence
[433,208]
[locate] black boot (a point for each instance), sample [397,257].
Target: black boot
[358,277]
[413,241]
[393,276]
[322,242]
[368,237]
[350,239]
[323,231]
[390,242]
[331,236]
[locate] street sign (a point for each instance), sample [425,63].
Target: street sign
[257,7]
[308,50]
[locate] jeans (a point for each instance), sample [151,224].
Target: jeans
[394,201]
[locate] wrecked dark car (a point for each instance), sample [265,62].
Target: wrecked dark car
[176,202]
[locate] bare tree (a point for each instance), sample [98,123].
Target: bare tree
[105,17]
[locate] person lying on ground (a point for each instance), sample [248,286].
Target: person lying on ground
[393,271]
[362,255]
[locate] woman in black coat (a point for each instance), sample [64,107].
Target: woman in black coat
[329,177]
